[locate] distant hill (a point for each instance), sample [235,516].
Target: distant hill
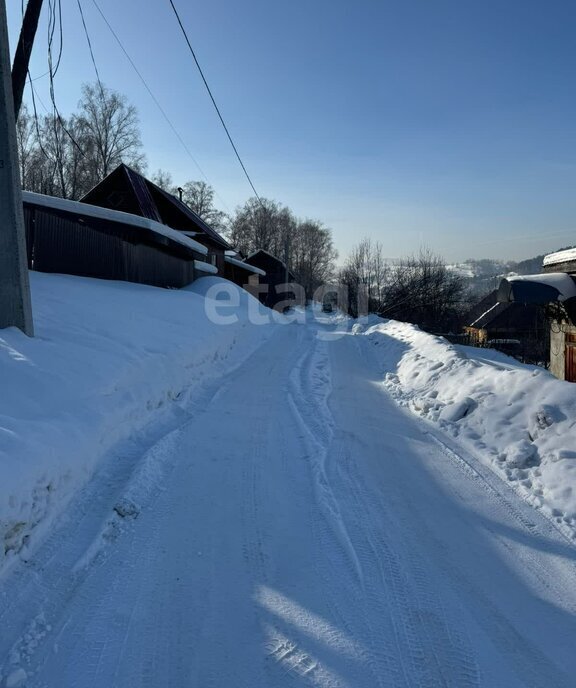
[529,266]
[484,274]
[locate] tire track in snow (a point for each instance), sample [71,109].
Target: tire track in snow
[309,406]
[530,664]
[429,644]
[311,381]
[414,638]
[378,623]
[400,603]
[526,659]
[62,567]
[254,550]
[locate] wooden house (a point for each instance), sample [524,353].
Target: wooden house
[555,289]
[75,238]
[245,275]
[513,328]
[272,292]
[127,190]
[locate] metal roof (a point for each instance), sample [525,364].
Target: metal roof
[537,289]
[490,315]
[145,200]
[194,217]
[149,196]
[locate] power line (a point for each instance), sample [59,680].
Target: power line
[36,78]
[214,102]
[89,45]
[55,18]
[32,91]
[156,101]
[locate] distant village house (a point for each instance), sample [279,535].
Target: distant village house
[273,292]
[510,327]
[554,288]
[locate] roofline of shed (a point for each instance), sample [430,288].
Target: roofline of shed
[211,233]
[88,210]
[282,263]
[203,266]
[245,266]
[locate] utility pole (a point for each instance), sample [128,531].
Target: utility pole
[15,305]
[23,51]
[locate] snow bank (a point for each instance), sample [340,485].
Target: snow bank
[518,419]
[106,356]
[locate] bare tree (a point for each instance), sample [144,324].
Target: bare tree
[27,142]
[164,180]
[260,224]
[424,291]
[51,160]
[199,196]
[37,168]
[365,274]
[109,130]
[312,255]
[67,156]
[305,246]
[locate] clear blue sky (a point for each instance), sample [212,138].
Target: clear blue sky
[445,123]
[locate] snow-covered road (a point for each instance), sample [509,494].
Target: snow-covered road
[294,526]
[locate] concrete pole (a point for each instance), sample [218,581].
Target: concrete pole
[24,50]
[15,306]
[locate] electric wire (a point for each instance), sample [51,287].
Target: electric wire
[37,126]
[55,113]
[90,46]
[156,101]
[214,102]
[54,19]
[36,78]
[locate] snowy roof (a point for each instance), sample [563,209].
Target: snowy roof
[153,202]
[261,250]
[202,266]
[275,258]
[87,210]
[565,256]
[541,288]
[245,266]
[196,219]
[485,317]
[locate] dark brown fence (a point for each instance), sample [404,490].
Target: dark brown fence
[74,244]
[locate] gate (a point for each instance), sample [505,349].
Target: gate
[570,358]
